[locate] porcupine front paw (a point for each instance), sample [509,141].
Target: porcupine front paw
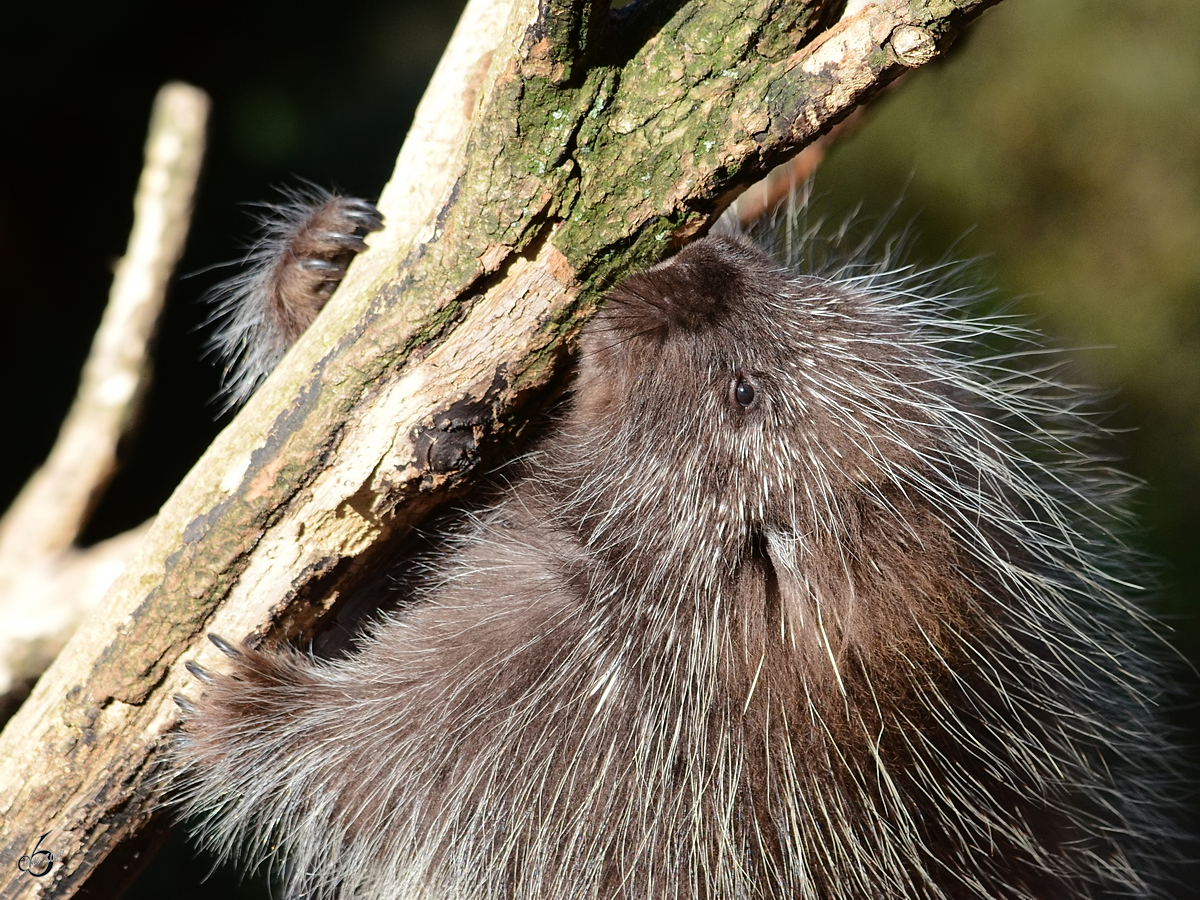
[305,244]
[258,688]
[235,733]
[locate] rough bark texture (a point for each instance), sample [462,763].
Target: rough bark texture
[552,155]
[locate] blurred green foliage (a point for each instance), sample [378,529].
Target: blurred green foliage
[1060,140]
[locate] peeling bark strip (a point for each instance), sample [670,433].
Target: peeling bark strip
[590,144]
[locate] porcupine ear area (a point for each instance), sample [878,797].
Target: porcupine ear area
[698,301]
[694,290]
[304,245]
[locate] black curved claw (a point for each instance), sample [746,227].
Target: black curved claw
[344,241]
[199,671]
[365,215]
[322,266]
[230,650]
[184,703]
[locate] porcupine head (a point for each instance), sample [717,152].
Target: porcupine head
[795,601]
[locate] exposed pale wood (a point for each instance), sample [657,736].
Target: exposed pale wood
[431,159]
[582,158]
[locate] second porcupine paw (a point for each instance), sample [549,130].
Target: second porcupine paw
[258,689]
[231,765]
[301,255]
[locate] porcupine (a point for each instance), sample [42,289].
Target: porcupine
[811,593]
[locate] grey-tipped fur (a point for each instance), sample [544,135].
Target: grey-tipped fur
[305,243]
[814,593]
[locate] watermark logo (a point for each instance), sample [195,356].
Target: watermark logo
[37,862]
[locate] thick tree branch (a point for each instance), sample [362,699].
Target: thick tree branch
[580,161]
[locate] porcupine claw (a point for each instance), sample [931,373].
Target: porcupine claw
[199,671]
[230,650]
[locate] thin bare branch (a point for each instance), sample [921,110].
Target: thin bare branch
[37,533]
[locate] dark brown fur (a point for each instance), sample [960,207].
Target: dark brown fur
[318,251]
[832,636]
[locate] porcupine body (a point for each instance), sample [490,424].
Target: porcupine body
[801,598]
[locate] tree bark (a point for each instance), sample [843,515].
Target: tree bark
[555,152]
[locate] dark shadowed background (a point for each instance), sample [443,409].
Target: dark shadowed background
[1060,141]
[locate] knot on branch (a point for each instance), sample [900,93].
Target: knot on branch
[912,45]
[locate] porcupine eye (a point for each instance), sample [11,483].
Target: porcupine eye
[743,392]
